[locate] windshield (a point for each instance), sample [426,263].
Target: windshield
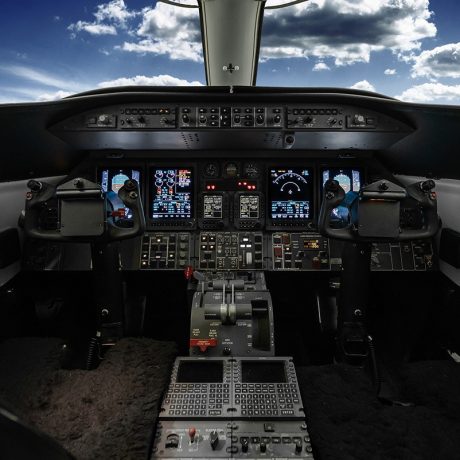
[407,49]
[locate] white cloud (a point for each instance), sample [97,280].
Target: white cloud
[115,11]
[40,77]
[108,16]
[168,30]
[93,28]
[390,72]
[348,31]
[53,96]
[320,66]
[160,30]
[182,50]
[363,85]
[442,61]
[432,92]
[278,52]
[141,80]
[40,90]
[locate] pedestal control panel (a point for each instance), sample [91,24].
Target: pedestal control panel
[261,413]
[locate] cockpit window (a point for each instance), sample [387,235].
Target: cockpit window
[53,49]
[407,49]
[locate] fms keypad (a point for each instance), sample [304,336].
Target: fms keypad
[233,387]
[266,388]
[199,388]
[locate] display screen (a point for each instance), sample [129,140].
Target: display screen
[291,193]
[263,372]
[249,206]
[200,372]
[172,193]
[111,181]
[212,206]
[350,180]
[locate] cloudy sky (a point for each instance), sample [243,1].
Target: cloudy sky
[409,49]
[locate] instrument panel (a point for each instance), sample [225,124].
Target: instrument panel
[233,214]
[232,195]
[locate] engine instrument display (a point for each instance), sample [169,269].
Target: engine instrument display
[212,206]
[111,181]
[249,206]
[291,193]
[172,193]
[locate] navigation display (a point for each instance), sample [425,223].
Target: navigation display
[350,180]
[212,206]
[172,193]
[111,181]
[291,193]
[249,206]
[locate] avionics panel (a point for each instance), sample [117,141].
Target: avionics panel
[111,180]
[213,210]
[351,180]
[248,210]
[172,196]
[291,196]
[233,388]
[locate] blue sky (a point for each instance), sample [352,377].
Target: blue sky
[408,49]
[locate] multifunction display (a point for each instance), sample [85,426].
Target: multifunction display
[172,193]
[212,206]
[111,181]
[249,206]
[291,193]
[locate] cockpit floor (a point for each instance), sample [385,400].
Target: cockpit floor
[104,413]
[347,422]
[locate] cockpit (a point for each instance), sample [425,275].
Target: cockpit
[229,271]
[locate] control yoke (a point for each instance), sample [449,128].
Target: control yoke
[377,212]
[82,211]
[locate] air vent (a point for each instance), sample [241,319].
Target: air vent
[273,139]
[190,139]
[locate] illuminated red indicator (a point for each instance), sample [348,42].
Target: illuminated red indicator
[188,272]
[203,344]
